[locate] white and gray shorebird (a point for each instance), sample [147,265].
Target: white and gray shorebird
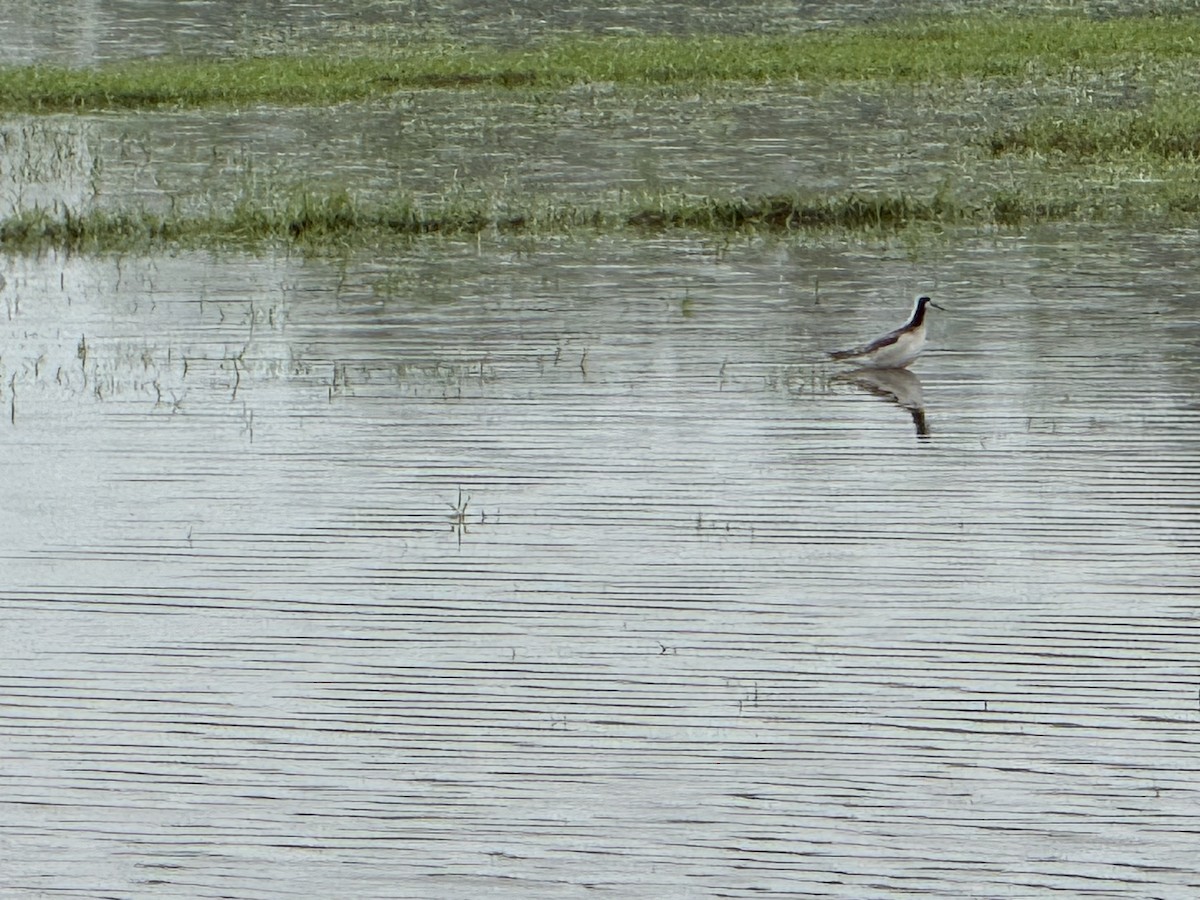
[896,349]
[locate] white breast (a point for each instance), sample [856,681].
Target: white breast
[902,351]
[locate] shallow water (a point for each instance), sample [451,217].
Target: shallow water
[509,151]
[89,31]
[569,565]
[84,32]
[573,567]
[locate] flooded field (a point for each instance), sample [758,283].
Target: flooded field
[581,571]
[87,31]
[564,562]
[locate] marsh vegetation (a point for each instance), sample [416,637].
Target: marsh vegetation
[1019,119]
[925,50]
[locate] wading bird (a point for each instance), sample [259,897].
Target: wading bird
[896,349]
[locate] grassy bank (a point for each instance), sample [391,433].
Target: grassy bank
[312,220]
[926,50]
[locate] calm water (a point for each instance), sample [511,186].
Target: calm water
[568,566]
[580,572]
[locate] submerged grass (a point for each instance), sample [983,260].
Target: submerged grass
[937,49]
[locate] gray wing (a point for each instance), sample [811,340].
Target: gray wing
[890,338]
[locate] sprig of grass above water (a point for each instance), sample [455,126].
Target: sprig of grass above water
[923,50]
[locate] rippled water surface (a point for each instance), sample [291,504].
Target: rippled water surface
[569,565]
[86,31]
[75,32]
[573,568]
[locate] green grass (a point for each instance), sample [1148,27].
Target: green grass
[926,50]
[314,220]
[1167,128]
[852,211]
[1092,162]
[323,221]
[300,217]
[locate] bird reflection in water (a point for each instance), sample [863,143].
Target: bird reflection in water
[898,386]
